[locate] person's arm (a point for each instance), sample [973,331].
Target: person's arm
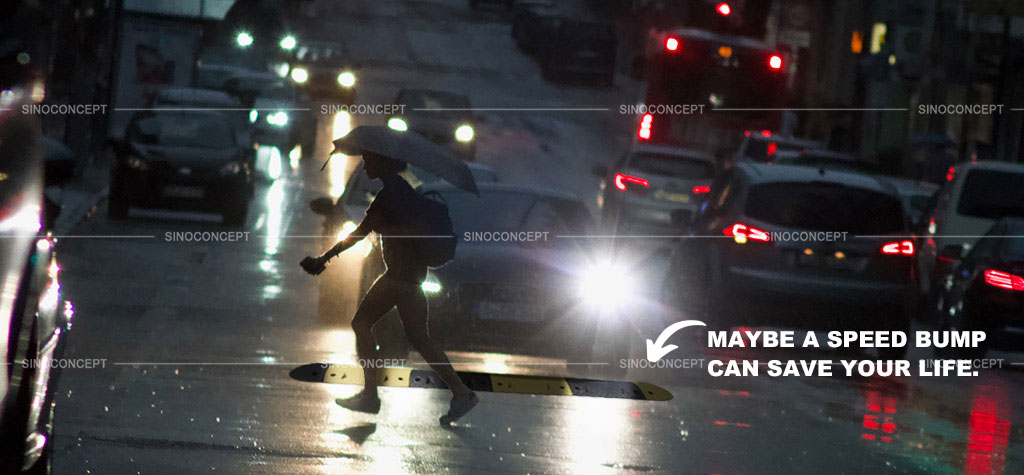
[355,236]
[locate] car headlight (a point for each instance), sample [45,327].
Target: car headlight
[300,75]
[464,133]
[606,285]
[137,163]
[288,43]
[244,39]
[347,79]
[254,115]
[279,118]
[431,285]
[397,123]
[232,168]
[282,69]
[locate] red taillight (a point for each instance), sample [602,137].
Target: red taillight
[772,148]
[645,127]
[701,189]
[672,44]
[775,62]
[723,9]
[905,248]
[766,133]
[1004,280]
[950,173]
[741,233]
[621,181]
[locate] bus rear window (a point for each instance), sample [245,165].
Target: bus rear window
[825,207]
[678,167]
[992,194]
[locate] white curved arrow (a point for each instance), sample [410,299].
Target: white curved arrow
[656,350]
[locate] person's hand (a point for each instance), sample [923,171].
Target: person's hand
[313,265]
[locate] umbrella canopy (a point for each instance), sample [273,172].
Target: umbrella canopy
[409,147]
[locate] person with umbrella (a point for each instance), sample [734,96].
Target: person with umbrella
[385,154]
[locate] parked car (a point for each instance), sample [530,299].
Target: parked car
[445,118]
[750,260]
[533,24]
[649,182]
[580,47]
[170,155]
[762,145]
[275,113]
[974,197]
[33,318]
[322,71]
[984,289]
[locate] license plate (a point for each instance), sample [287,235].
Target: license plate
[673,197]
[829,261]
[183,192]
[507,311]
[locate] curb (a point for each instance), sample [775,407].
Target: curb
[76,214]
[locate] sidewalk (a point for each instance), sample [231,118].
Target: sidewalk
[81,197]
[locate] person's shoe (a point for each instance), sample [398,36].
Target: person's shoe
[361,402]
[459,407]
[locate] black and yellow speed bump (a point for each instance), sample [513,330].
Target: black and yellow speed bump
[498,383]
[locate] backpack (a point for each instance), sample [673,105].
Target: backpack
[433,220]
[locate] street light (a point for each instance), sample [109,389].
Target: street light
[244,39]
[288,42]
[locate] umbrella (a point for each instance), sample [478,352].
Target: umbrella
[409,147]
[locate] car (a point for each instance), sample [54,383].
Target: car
[984,289]
[34,321]
[974,196]
[649,182]
[580,47]
[762,145]
[553,297]
[751,257]
[170,155]
[321,71]
[820,158]
[445,118]
[916,196]
[275,114]
[533,23]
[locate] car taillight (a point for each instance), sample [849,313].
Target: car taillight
[772,148]
[775,62]
[905,248]
[645,127]
[697,190]
[1004,280]
[622,181]
[741,233]
[672,44]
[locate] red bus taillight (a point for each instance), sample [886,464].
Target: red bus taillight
[1004,280]
[905,248]
[645,127]
[697,190]
[672,44]
[622,181]
[723,9]
[775,62]
[741,233]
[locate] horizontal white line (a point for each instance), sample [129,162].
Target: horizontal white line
[515,109]
[80,236]
[208,109]
[461,363]
[807,109]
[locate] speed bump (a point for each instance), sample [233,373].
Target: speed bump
[487,382]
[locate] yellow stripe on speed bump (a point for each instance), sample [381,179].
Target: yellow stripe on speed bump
[530,385]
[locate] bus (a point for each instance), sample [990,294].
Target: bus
[704,90]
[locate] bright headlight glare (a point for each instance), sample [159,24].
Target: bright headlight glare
[606,285]
[397,123]
[244,39]
[254,115]
[279,118]
[300,75]
[288,42]
[431,285]
[464,133]
[347,79]
[282,69]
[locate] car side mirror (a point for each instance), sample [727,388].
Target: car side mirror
[322,206]
[681,218]
[599,170]
[952,252]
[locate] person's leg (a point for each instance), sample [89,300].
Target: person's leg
[412,307]
[379,299]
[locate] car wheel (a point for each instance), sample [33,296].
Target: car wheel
[234,215]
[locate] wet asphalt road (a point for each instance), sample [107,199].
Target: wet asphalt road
[199,337]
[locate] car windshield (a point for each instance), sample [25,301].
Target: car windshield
[825,207]
[992,194]
[498,211]
[182,129]
[677,167]
[320,54]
